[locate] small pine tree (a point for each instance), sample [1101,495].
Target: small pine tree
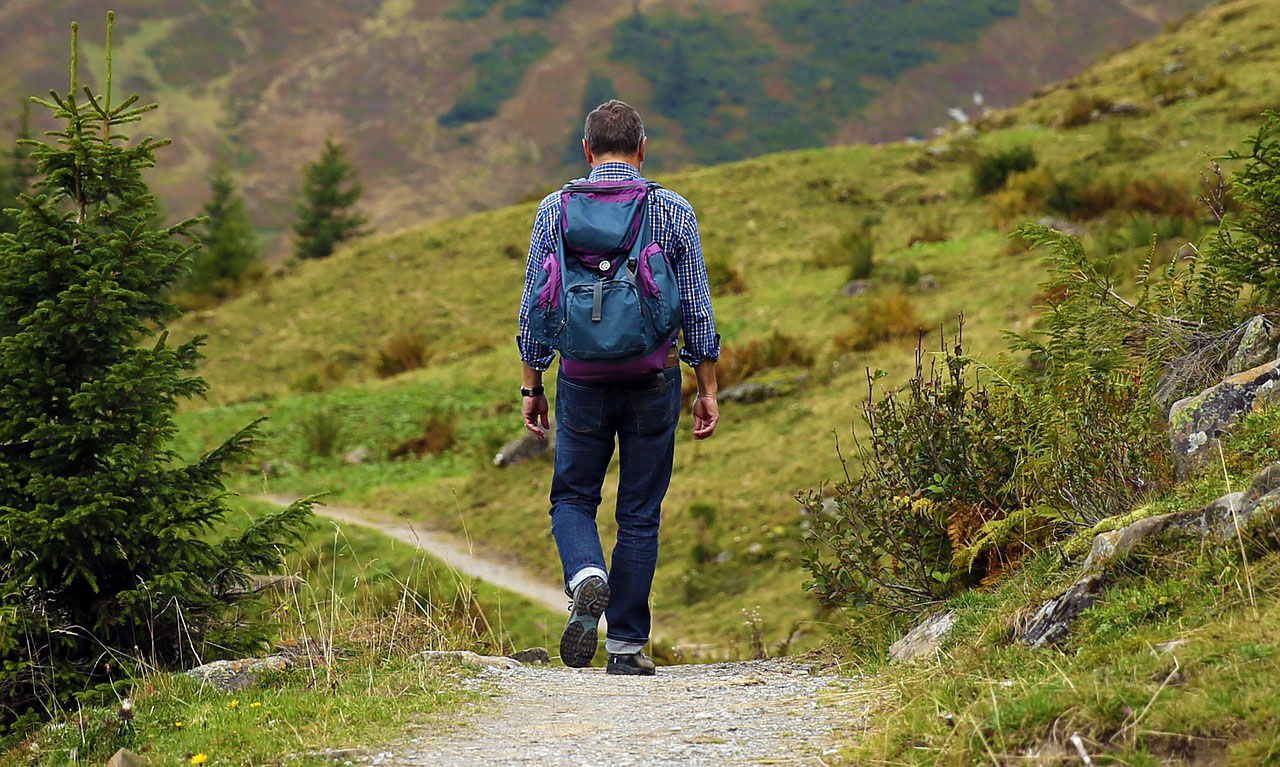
[106,544]
[326,213]
[230,242]
[15,172]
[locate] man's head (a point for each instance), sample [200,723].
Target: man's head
[614,133]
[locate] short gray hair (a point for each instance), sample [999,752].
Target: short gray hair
[614,127]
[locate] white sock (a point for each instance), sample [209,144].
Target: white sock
[619,647]
[585,573]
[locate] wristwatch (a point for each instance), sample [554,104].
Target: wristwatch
[534,392]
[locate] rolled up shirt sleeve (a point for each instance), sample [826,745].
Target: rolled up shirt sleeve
[541,244]
[701,341]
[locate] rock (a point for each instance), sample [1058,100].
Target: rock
[345,755]
[534,656]
[526,448]
[126,758]
[751,392]
[1125,109]
[232,675]
[466,656]
[358,455]
[1196,421]
[856,288]
[924,640]
[1251,512]
[1257,346]
[927,283]
[1058,225]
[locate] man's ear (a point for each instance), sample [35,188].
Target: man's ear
[644,141]
[586,151]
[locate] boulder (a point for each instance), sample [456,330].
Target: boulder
[758,391]
[534,656]
[526,448]
[1252,512]
[1125,108]
[358,455]
[232,675]
[856,288]
[468,657]
[1195,422]
[928,283]
[924,640]
[1257,346]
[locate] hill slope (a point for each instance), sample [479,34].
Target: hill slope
[458,105]
[303,348]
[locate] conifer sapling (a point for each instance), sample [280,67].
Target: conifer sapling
[107,538]
[326,213]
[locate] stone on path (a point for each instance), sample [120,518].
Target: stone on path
[232,675]
[533,656]
[924,640]
[466,656]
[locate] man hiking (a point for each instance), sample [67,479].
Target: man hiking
[615,271]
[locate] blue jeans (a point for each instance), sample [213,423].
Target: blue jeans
[642,416]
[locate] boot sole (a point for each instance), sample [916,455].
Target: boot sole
[579,642]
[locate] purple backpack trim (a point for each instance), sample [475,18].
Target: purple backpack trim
[644,272]
[550,293]
[602,372]
[605,192]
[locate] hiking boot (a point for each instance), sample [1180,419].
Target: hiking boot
[578,643]
[631,664]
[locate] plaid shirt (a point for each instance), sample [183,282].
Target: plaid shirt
[675,228]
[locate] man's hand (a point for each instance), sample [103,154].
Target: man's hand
[535,411]
[706,414]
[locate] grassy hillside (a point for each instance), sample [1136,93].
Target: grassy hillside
[459,105]
[1119,152]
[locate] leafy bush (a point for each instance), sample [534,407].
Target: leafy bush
[498,72]
[402,352]
[990,171]
[880,318]
[962,479]
[854,248]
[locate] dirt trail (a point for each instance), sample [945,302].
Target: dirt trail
[747,713]
[444,548]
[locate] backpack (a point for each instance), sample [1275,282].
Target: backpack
[607,299]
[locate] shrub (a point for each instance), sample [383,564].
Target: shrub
[322,433]
[401,353]
[439,433]
[882,317]
[1082,108]
[990,171]
[723,276]
[498,72]
[929,228]
[854,248]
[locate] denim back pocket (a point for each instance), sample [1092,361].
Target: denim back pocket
[656,409]
[579,408]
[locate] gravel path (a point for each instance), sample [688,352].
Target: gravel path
[755,712]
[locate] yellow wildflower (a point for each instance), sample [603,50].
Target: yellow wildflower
[199,759]
[177,724]
[254,704]
[235,704]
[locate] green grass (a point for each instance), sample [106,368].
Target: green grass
[288,717]
[456,282]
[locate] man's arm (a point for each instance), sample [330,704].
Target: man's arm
[706,411]
[536,357]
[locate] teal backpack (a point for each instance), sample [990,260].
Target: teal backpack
[607,299]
